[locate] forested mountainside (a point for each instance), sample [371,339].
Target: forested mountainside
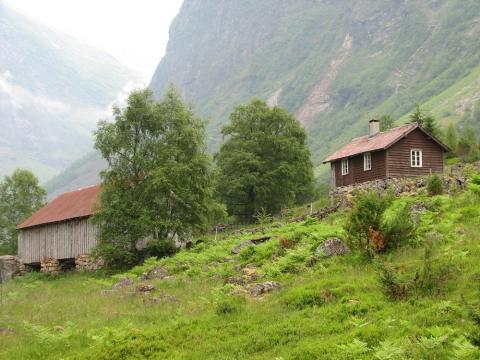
[334,64]
[53,89]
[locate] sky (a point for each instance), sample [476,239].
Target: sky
[135,32]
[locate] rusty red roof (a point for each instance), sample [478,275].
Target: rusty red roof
[380,141]
[70,205]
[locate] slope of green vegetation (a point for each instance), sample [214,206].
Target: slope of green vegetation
[326,308]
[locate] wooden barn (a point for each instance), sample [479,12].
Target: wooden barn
[404,151]
[61,229]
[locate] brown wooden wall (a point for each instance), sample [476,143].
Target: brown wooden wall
[398,156]
[62,240]
[356,174]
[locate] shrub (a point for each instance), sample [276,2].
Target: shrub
[474,185]
[397,225]
[391,286]
[435,185]
[366,214]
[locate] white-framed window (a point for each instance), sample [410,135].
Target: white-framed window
[345,166]
[367,161]
[416,158]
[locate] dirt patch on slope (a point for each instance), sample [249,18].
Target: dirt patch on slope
[319,98]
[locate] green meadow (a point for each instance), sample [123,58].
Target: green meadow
[326,307]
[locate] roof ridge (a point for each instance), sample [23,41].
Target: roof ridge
[79,189]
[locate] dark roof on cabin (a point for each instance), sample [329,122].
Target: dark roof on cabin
[381,141]
[70,205]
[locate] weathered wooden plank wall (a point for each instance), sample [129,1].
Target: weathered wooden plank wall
[62,240]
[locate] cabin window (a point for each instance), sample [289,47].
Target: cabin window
[416,157]
[344,166]
[367,161]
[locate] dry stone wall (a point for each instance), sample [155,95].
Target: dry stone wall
[86,262]
[453,180]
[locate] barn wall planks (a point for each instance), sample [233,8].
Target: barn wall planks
[62,240]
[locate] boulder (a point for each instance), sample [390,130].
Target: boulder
[158,272]
[124,282]
[10,266]
[145,287]
[241,246]
[332,247]
[262,288]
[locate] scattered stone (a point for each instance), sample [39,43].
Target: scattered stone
[262,288]
[145,287]
[417,210]
[10,266]
[86,262]
[50,265]
[235,280]
[241,246]
[260,240]
[124,282]
[157,273]
[332,247]
[107,292]
[6,331]
[249,273]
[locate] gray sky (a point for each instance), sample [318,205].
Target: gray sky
[133,31]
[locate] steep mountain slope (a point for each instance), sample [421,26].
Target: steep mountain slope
[334,64]
[53,89]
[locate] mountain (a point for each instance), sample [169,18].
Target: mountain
[53,89]
[334,64]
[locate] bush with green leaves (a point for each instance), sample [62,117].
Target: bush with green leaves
[474,185]
[366,214]
[397,225]
[435,185]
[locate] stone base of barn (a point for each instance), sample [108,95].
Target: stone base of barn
[50,266]
[86,262]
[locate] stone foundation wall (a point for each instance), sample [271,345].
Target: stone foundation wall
[85,262]
[343,196]
[50,266]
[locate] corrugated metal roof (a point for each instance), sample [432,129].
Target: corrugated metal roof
[70,205]
[380,141]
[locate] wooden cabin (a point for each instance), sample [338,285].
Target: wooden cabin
[61,229]
[404,151]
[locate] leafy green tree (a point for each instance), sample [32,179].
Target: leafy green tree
[451,137]
[264,163]
[468,147]
[386,122]
[158,182]
[425,120]
[20,196]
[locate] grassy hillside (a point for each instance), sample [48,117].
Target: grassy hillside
[326,308]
